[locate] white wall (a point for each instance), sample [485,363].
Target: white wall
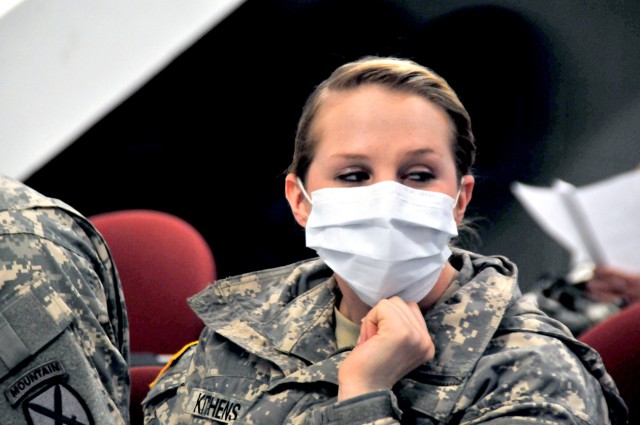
[64,64]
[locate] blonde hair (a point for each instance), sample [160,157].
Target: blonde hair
[395,74]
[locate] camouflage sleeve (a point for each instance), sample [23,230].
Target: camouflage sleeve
[525,376]
[375,408]
[161,405]
[63,325]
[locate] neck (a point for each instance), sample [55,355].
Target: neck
[446,277]
[351,307]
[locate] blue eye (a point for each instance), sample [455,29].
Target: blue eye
[354,177]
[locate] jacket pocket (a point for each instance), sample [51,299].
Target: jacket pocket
[30,320]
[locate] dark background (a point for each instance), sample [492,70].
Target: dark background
[551,87]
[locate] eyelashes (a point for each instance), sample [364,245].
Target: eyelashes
[354,176]
[419,176]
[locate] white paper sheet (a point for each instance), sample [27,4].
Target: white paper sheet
[610,232]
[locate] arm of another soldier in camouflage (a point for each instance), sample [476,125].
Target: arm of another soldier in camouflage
[62,353]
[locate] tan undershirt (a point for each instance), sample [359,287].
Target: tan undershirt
[347,332]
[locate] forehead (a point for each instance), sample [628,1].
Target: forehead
[373,116]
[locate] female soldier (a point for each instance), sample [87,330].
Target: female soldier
[389,325]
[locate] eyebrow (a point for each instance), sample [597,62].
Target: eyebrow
[416,152]
[426,151]
[348,156]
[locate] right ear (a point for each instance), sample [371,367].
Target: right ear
[297,201]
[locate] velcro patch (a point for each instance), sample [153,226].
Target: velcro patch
[32,378]
[221,408]
[57,404]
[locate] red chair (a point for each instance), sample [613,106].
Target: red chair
[141,379]
[162,260]
[617,339]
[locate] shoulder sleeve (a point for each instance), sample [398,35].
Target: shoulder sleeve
[60,303]
[172,375]
[163,399]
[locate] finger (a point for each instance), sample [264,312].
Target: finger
[414,320]
[410,312]
[398,313]
[367,330]
[606,296]
[608,285]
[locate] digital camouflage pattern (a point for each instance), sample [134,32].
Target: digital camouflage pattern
[269,356]
[64,337]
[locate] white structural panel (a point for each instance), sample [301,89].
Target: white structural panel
[64,64]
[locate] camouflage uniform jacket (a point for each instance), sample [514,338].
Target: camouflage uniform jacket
[64,344]
[268,356]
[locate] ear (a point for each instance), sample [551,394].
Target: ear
[466,190]
[297,201]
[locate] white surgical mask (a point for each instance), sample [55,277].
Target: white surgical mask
[384,239]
